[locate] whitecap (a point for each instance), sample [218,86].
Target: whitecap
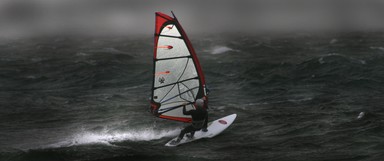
[333,41]
[361,115]
[321,60]
[81,54]
[221,50]
[377,48]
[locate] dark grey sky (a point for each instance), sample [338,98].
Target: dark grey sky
[24,17]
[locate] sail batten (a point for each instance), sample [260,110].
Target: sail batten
[177,37]
[177,75]
[177,82]
[174,58]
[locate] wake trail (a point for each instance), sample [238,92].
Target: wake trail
[105,137]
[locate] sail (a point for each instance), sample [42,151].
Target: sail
[177,75]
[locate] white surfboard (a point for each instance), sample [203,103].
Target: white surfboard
[214,128]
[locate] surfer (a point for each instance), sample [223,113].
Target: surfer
[199,120]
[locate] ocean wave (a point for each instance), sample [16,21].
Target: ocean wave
[377,48]
[339,58]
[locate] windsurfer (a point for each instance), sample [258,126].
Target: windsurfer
[199,120]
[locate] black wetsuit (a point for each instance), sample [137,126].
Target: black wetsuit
[199,121]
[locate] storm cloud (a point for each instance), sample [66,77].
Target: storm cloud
[136,17]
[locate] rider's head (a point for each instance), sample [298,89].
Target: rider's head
[199,103]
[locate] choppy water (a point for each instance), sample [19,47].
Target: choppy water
[298,97]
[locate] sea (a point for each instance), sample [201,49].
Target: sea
[297,96]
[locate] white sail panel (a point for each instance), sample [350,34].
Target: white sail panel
[174,70]
[170,30]
[176,112]
[169,47]
[160,93]
[188,90]
[169,71]
[177,93]
[172,95]
[190,70]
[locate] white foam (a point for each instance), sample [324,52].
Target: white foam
[221,50]
[361,115]
[333,41]
[104,137]
[81,54]
[321,60]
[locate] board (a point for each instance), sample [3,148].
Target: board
[214,128]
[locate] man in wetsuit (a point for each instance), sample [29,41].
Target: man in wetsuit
[199,120]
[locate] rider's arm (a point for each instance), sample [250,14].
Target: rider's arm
[205,102]
[185,112]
